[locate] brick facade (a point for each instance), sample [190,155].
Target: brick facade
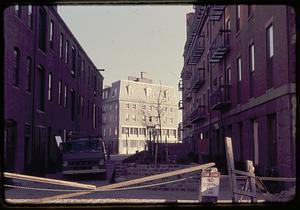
[255,106]
[34,116]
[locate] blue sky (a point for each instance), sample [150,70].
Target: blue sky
[125,40]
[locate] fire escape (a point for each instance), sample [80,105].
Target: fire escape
[198,114]
[220,97]
[198,79]
[180,85]
[180,105]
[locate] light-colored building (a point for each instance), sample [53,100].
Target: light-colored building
[131,110]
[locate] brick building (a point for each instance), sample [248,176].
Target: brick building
[238,80]
[51,87]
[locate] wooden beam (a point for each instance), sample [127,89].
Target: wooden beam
[48,181]
[134,181]
[244,173]
[231,168]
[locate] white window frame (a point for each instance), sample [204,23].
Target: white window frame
[239,69]
[252,56]
[271,41]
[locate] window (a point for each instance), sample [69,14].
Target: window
[73,70]
[127,106]
[79,67]
[95,84]
[30,24]
[114,92]
[42,29]
[250,10]
[270,54]
[128,90]
[143,106]
[82,69]
[66,96]
[94,118]
[61,45]
[229,76]
[251,57]
[116,131]
[166,95]
[88,108]
[16,71]
[239,69]
[116,106]
[133,106]
[238,17]
[72,104]
[59,92]
[41,88]
[18,10]
[126,117]
[228,24]
[66,52]
[82,104]
[50,87]
[51,33]
[134,117]
[89,75]
[28,74]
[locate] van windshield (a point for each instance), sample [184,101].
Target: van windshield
[83,144]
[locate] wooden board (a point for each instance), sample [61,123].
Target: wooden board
[133,182]
[48,181]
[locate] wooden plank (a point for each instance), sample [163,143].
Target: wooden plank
[230,165]
[250,169]
[134,181]
[244,173]
[48,181]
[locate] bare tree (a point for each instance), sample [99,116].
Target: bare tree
[157,102]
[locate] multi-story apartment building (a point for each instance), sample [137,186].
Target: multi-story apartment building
[131,110]
[51,87]
[238,80]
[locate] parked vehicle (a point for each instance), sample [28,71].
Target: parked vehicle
[83,154]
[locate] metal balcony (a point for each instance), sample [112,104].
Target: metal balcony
[220,99]
[188,95]
[187,122]
[198,79]
[187,74]
[220,46]
[216,12]
[180,104]
[198,114]
[180,85]
[197,50]
[180,126]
